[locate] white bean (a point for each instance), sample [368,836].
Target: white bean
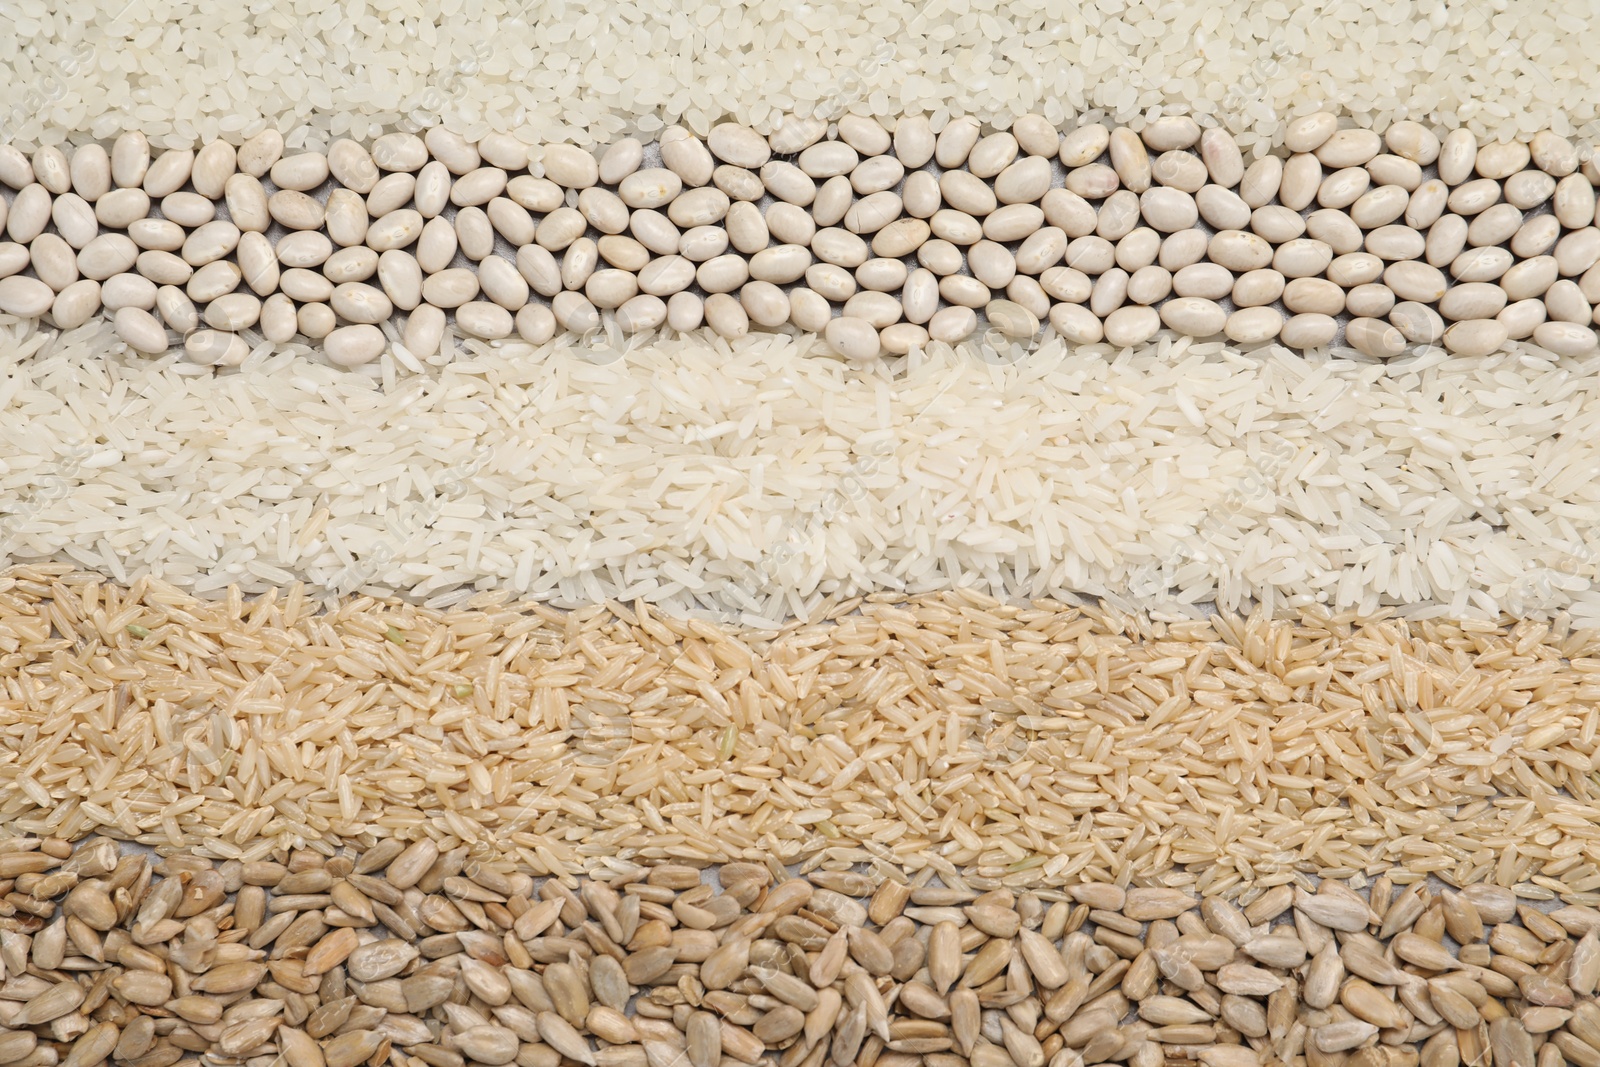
[1042,249]
[833,200]
[1066,284]
[1413,141]
[702,243]
[1355,268]
[1302,257]
[1277,224]
[666,275]
[76,304]
[1475,337]
[30,213]
[1076,324]
[1415,281]
[1310,132]
[1168,210]
[966,192]
[401,278]
[393,191]
[1349,148]
[725,273]
[360,302]
[1314,296]
[450,288]
[176,309]
[643,312]
[164,268]
[157,234]
[1374,337]
[536,324]
[1014,222]
[1193,316]
[1130,159]
[1395,170]
[1371,300]
[215,280]
[1239,250]
[484,320]
[1528,189]
[1023,181]
[1069,212]
[1222,208]
[964,291]
[1299,182]
[880,309]
[55,261]
[1418,323]
[354,264]
[1566,302]
[780,264]
[258,264]
[808,310]
[765,303]
[354,346]
[1254,288]
[317,321]
[122,291]
[1564,338]
[1131,325]
[113,253]
[424,331]
[215,348]
[1472,300]
[953,325]
[726,316]
[1530,278]
[1253,325]
[1261,181]
[1457,154]
[139,330]
[169,173]
[610,288]
[130,159]
[26,298]
[914,141]
[747,229]
[621,159]
[1083,145]
[1308,330]
[278,319]
[578,262]
[955,141]
[739,145]
[574,313]
[920,296]
[304,249]
[828,159]
[1109,292]
[249,209]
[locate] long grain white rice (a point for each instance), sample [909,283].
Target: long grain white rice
[759,480]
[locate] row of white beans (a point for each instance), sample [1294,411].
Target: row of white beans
[840,229]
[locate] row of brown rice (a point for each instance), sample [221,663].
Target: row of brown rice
[997,744]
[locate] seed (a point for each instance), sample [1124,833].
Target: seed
[1343,1036]
[353,1047]
[559,1035]
[1427,954]
[379,959]
[53,1003]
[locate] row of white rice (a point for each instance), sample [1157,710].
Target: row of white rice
[553,70]
[758,480]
